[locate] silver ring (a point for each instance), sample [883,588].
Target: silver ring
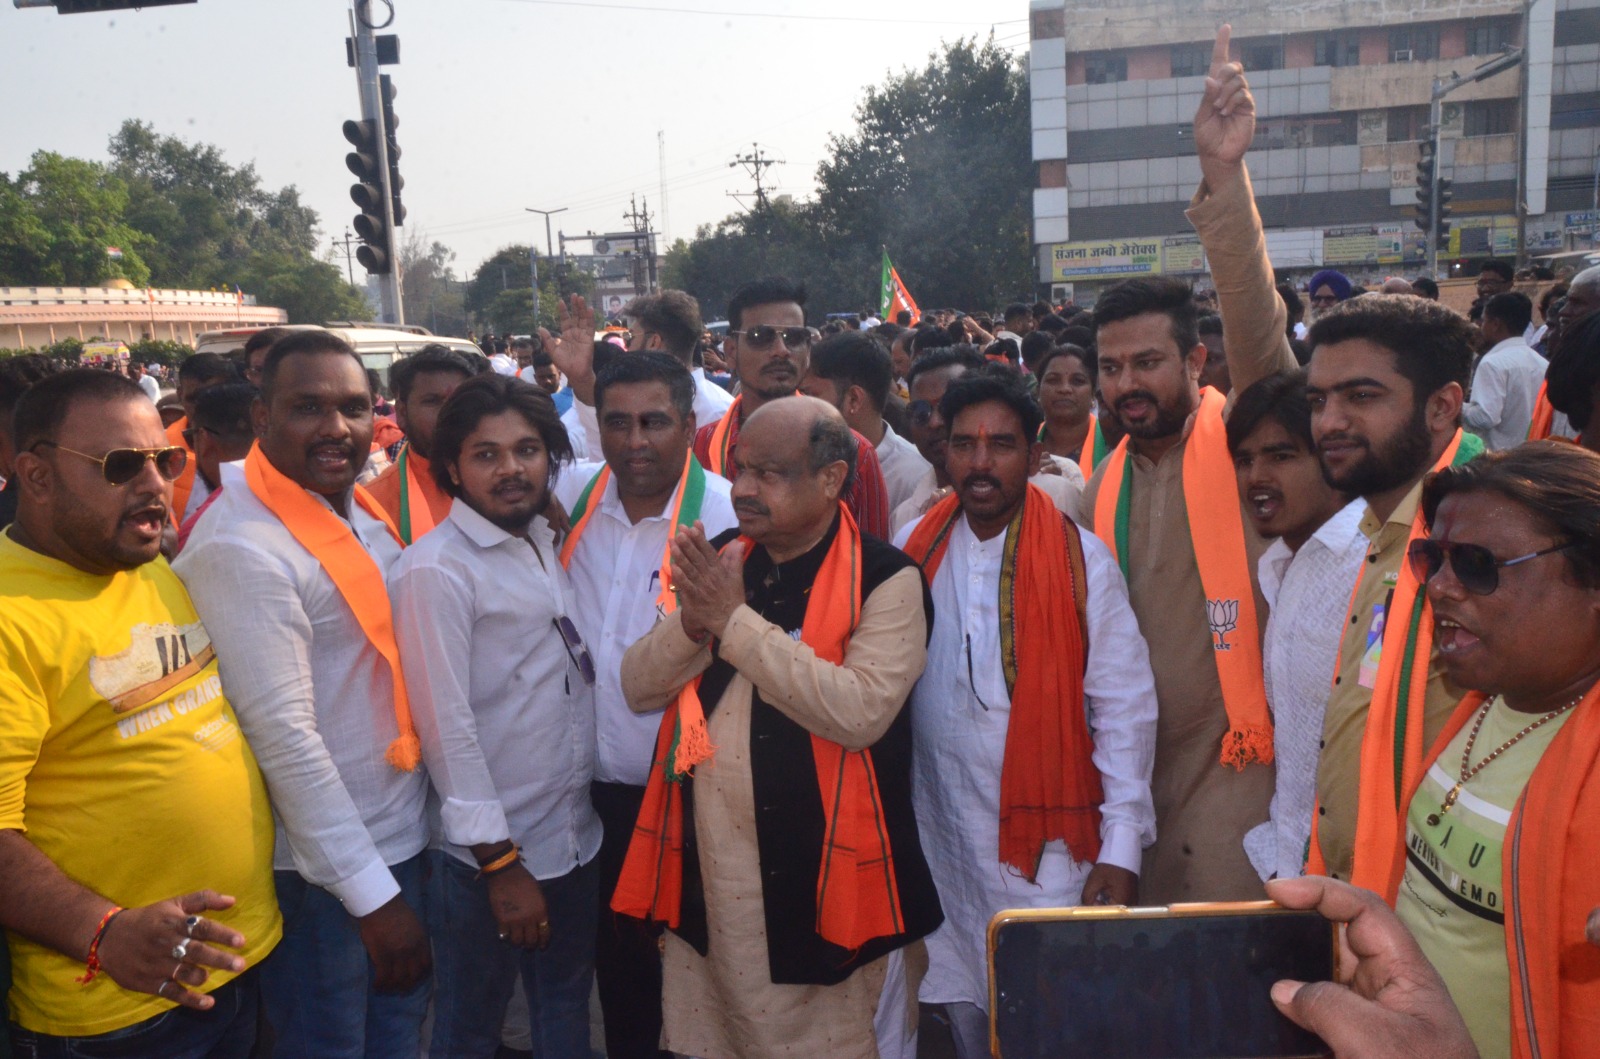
[180,951]
[161,990]
[190,923]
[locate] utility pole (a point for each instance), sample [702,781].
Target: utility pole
[349,269]
[1443,86]
[640,221]
[363,35]
[661,172]
[755,163]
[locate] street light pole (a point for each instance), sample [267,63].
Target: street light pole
[533,257]
[1443,86]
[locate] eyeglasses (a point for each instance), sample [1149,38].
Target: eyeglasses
[577,650]
[920,412]
[761,336]
[1473,565]
[121,466]
[190,433]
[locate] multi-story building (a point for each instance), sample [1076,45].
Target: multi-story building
[1342,91]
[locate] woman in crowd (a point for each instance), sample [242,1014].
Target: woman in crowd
[1066,392]
[1500,848]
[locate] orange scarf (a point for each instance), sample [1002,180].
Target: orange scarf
[330,541]
[1544,415]
[1391,742]
[1216,526]
[719,460]
[183,485]
[1049,787]
[1549,883]
[857,895]
[417,490]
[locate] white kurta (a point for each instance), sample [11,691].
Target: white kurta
[960,723]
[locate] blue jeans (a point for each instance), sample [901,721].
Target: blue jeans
[226,1031]
[318,985]
[476,970]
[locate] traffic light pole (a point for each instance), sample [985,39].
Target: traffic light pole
[392,309]
[1443,86]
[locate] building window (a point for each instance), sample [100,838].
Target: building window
[1489,36]
[1331,130]
[1414,44]
[1191,60]
[1407,124]
[1262,55]
[1104,69]
[1490,117]
[1338,49]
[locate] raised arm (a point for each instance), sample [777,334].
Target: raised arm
[1223,212]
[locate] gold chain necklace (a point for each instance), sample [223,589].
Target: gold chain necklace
[1469,770]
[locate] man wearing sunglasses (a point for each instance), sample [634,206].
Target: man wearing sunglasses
[769,348]
[124,780]
[288,570]
[502,684]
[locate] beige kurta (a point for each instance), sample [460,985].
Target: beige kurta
[1203,808]
[725,1005]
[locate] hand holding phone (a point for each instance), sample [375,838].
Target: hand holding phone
[1389,1001]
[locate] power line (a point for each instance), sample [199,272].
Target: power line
[765,14]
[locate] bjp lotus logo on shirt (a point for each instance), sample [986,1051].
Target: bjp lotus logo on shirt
[1223,615]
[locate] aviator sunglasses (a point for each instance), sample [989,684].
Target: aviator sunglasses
[121,466]
[1474,565]
[762,335]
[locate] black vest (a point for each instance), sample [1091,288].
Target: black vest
[789,821]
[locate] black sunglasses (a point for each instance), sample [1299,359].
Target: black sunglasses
[761,336]
[1473,565]
[121,466]
[577,650]
[919,412]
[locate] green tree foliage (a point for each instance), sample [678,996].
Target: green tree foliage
[182,216]
[433,297]
[59,217]
[938,170]
[507,271]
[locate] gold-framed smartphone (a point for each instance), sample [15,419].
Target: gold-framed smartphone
[1183,980]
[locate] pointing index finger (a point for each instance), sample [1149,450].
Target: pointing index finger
[1219,51]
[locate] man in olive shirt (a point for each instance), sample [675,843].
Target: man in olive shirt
[1386,387]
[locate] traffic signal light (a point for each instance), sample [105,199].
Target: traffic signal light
[386,93]
[1445,195]
[89,7]
[1425,165]
[377,241]
[1444,236]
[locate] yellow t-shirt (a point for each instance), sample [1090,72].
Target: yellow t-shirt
[123,762]
[1451,896]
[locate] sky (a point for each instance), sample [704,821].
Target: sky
[503,104]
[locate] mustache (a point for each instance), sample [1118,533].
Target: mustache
[750,507]
[1344,439]
[144,506]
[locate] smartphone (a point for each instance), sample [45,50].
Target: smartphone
[1187,980]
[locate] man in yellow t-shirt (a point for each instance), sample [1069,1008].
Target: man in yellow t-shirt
[124,779]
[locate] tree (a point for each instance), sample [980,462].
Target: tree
[60,220]
[938,169]
[310,291]
[508,269]
[432,296]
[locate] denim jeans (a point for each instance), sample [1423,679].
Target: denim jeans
[475,970]
[318,985]
[226,1031]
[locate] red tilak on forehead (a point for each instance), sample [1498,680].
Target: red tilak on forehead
[983,434]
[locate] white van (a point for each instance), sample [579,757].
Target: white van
[378,347]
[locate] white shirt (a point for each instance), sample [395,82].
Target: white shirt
[1309,593]
[1065,489]
[581,424]
[903,466]
[1505,387]
[151,388]
[959,747]
[314,697]
[710,400]
[505,717]
[616,579]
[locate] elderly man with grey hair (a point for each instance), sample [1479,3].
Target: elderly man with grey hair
[777,841]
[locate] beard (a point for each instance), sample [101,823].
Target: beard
[1390,464]
[1167,422]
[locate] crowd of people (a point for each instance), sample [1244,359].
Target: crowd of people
[750,707]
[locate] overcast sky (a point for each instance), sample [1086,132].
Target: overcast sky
[503,104]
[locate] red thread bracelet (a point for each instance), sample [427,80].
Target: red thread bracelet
[92,965]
